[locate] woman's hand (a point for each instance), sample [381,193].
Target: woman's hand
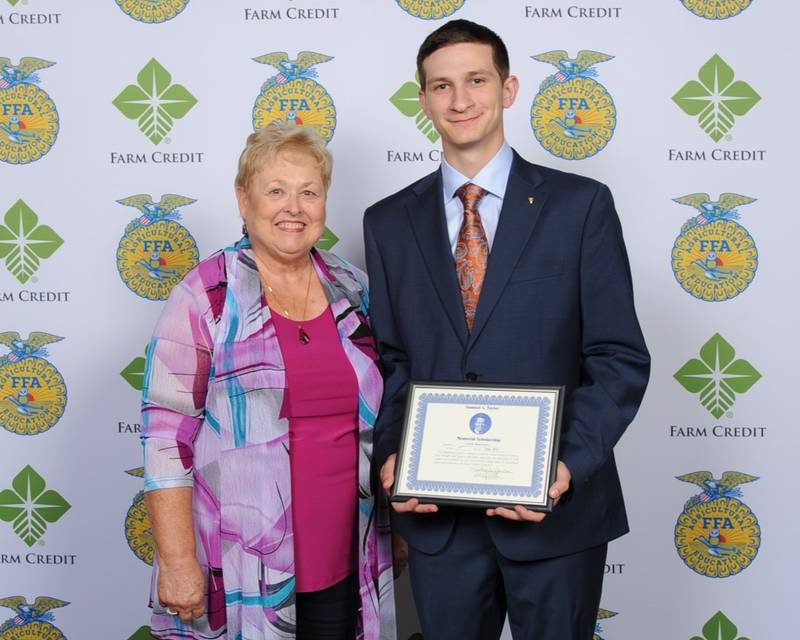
[181,588]
[399,555]
[181,582]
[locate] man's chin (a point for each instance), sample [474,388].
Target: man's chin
[464,142]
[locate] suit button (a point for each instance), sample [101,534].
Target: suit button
[471,376]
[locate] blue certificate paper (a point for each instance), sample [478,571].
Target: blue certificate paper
[479,445]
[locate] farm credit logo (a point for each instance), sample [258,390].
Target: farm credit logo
[133,373]
[29,506]
[406,100]
[154,102]
[717,376]
[717,99]
[24,243]
[719,627]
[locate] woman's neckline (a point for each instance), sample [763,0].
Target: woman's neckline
[274,312]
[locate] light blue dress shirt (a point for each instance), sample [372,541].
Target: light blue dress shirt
[493,177]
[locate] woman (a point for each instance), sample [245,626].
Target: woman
[260,394]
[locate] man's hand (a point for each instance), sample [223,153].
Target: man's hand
[412,505]
[559,488]
[181,589]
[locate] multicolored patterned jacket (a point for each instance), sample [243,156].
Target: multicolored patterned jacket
[211,405]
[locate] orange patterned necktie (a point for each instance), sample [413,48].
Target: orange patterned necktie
[472,250]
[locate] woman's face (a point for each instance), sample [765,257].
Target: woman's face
[284,206]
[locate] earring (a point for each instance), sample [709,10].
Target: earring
[244,229]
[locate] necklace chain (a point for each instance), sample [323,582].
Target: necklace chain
[301,333]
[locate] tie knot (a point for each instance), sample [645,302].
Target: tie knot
[470,195]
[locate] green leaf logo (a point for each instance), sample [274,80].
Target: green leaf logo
[143,633]
[134,372]
[719,628]
[24,242]
[13,2]
[406,99]
[327,241]
[717,376]
[155,101]
[28,507]
[717,98]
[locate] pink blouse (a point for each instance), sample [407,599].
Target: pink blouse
[321,403]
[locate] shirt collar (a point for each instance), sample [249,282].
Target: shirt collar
[493,177]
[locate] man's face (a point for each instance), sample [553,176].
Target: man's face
[464,96]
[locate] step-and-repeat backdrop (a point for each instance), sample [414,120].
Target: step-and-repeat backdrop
[120,125]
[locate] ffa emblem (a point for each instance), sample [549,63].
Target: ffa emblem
[717,535]
[156,250]
[32,391]
[28,117]
[151,11]
[602,614]
[31,621]
[716,9]
[293,95]
[430,9]
[714,258]
[573,116]
[138,532]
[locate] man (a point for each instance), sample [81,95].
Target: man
[492,269]
[479,424]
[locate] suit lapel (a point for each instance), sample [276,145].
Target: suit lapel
[518,217]
[427,219]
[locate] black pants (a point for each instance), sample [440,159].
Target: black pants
[329,614]
[465,591]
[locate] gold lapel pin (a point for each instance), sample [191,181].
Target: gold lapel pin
[531,199]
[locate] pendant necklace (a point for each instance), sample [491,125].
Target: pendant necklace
[302,336]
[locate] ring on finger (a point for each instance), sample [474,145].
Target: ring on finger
[171,611]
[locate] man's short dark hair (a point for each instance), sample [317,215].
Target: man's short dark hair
[458,32]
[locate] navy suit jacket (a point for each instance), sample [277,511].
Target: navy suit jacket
[556,308]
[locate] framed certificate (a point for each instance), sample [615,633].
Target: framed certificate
[481,445]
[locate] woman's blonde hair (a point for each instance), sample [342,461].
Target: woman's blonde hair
[265,144]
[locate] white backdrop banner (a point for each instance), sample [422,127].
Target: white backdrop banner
[120,126]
